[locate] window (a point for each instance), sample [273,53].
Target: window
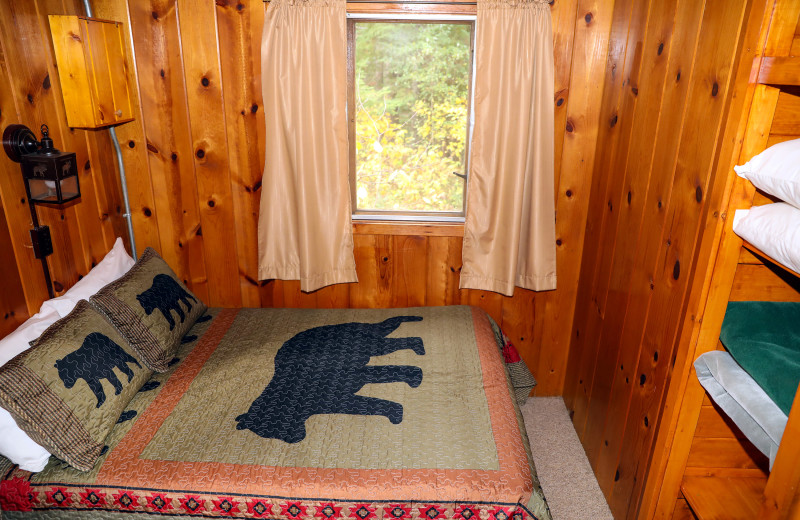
[409,113]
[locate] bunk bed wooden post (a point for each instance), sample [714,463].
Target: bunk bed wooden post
[781,497]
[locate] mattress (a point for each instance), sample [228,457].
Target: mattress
[755,380]
[311,414]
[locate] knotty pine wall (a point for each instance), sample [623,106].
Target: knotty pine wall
[663,151]
[30,94]
[195,153]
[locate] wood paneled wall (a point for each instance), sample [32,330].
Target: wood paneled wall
[668,91]
[30,94]
[194,157]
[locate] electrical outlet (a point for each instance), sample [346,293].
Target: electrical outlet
[42,242]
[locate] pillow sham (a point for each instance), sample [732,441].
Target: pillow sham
[69,391]
[116,263]
[774,229]
[776,171]
[15,445]
[151,308]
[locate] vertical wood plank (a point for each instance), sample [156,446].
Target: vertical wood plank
[591,35]
[207,125]
[657,48]
[239,29]
[607,183]
[132,141]
[156,37]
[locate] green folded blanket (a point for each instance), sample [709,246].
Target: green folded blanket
[764,338]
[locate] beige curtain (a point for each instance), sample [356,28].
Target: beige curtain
[304,228]
[509,234]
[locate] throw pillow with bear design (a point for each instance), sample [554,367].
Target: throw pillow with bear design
[151,308]
[69,390]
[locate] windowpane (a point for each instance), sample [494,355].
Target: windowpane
[411,103]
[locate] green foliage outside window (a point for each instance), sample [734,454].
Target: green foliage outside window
[412,90]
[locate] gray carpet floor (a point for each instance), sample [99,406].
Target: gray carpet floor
[567,479]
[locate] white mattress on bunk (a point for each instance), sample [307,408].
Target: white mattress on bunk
[743,400]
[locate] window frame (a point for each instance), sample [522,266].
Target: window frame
[395,215]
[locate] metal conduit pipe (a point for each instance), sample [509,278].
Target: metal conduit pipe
[123,182]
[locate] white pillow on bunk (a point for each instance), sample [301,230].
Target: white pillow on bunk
[776,171]
[116,263]
[774,229]
[15,445]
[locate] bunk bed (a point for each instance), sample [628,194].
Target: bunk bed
[710,468]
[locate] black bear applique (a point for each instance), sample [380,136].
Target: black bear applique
[319,371]
[166,295]
[95,360]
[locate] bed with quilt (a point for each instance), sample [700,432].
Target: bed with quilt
[152,404]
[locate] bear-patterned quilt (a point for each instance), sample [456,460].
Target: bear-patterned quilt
[306,414]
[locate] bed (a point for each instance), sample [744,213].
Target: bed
[236,427]
[755,378]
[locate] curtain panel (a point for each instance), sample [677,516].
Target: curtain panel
[509,233]
[304,227]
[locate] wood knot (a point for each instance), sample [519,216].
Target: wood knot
[200,153]
[676,270]
[660,48]
[613,121]
[131,144]
[205,82]
[147,212]
[588,17]
[253,108]
[715,89]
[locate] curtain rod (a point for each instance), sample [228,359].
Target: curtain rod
[430,2]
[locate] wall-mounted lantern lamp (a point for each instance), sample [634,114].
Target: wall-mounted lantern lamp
[51,177]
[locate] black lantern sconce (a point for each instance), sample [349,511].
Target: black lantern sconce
[51,177]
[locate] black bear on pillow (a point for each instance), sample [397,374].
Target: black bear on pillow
[166,295]
[319,371]
[95,360]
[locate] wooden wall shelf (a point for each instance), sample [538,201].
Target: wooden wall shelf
[93,71]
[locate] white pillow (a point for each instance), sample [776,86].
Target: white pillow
[15,445]
[776,171]
[774,229]
[116,263]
